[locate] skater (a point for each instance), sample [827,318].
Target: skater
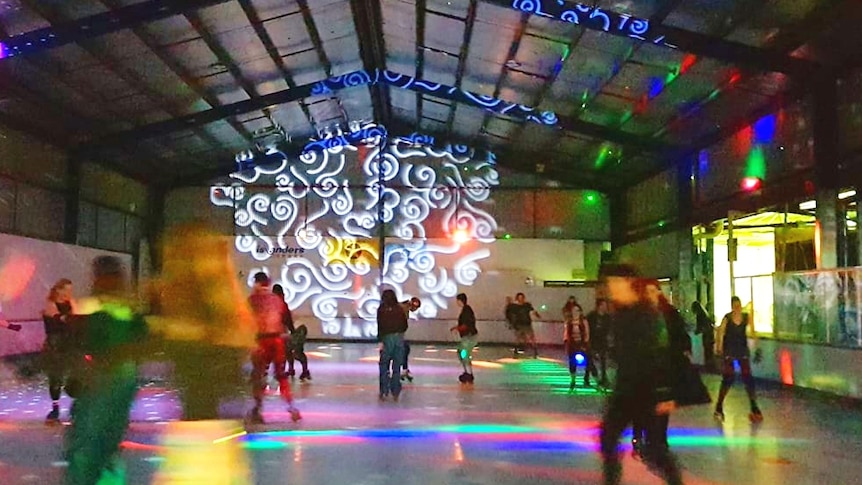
[576,338]
[112,334]
[522,313]
[706,329]
[732,346]
[269,311]
[205,328]
[294,340]
[410,305]
[601,337]
[642,391]
[391,325]
[679,353]
[467,331]
[297,350]
[60,358]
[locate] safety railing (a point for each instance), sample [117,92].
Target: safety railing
[820,307]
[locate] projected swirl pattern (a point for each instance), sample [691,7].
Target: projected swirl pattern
[333,268]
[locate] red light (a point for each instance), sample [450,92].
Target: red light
[750,183]
[687,61]
[461,236]
[735,78]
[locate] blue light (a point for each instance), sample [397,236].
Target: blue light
[703,162]
[765,128]
[656,85]
[580,358]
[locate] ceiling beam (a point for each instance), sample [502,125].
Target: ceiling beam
[420,54]
[74,31]
[128,75]
[180,71]
[524,161]
[379,78]
[469,22]
[368,21]
[624,25]
[504,71]
[274,55]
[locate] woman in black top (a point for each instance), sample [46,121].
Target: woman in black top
[391,325]
[59,350]
[732,346]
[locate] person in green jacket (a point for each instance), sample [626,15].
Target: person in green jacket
[111,333]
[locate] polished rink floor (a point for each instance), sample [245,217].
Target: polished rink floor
[517,425]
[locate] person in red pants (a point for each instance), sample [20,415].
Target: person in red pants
[268,310]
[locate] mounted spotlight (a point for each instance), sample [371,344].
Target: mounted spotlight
[751,184]
[267,139]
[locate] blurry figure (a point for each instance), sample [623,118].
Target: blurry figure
[391,325]
[576,338]
[112,334]
[672,329]
[207,330]
[410,305]
[509,311]
[705,327]
[467,331]
[732,346]
[269,311]
[61,358]
[642,390]
[522,313]
[601,337]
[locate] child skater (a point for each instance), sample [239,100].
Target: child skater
[577,341]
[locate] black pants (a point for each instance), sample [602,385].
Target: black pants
[296,352]
[623,410]
[709,354]
[406,364]
[601,355]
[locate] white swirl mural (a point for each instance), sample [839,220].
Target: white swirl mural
[312,223]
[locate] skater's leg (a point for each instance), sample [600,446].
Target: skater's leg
[728,376]
[290,357]
[615,420]
[658,453]
[748,380]
[406,364]
[259,361]
[101,420]
[302,358]
[280,361]
[386,356]
[465,353]
[397,362]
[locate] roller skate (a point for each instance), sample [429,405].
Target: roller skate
[254,417]
[637,449]
[572,385]
[305,376]
[53,418]
[405,374]
[382,396]
[718,415]
[294,414]
[396,396]
[291,373]
[755,416]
